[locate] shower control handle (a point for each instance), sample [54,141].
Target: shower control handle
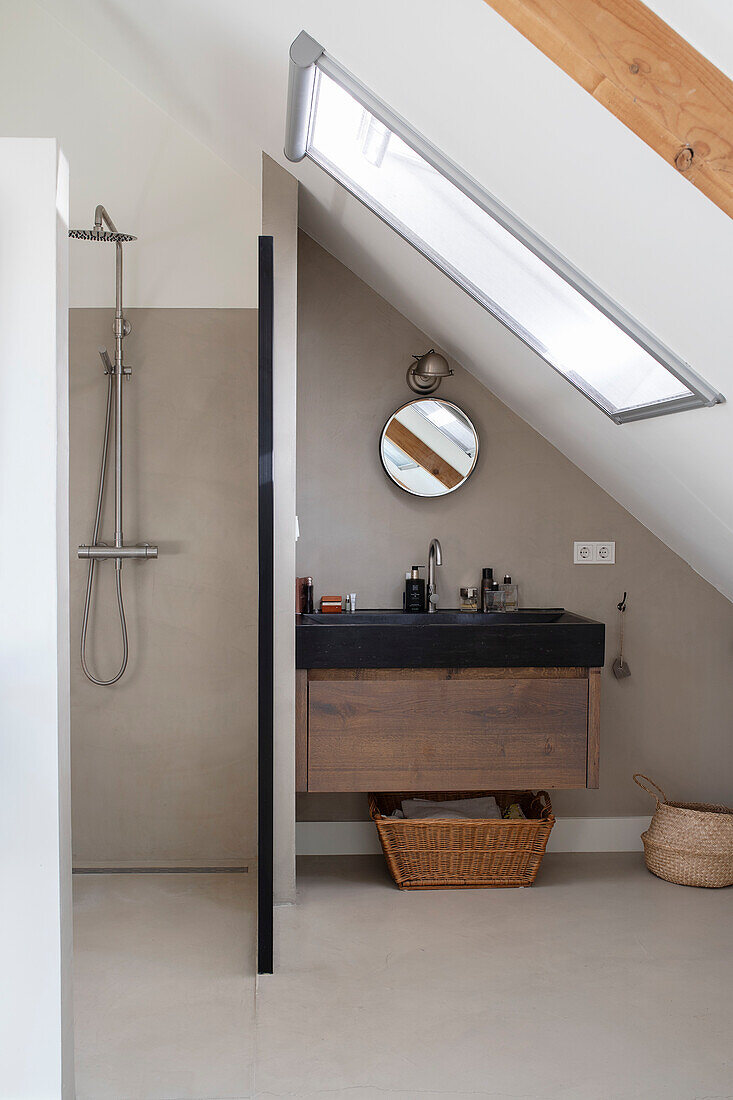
[100,553]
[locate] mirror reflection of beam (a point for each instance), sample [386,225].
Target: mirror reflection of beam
[419,451]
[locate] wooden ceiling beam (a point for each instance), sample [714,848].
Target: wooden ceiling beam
[645,74]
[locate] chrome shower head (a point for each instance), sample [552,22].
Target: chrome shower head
[98,234]
[104,229]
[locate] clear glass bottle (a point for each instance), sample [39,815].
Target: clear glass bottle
[495,598]
[468,599]
[511,594]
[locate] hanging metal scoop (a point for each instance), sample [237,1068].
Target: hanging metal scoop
[620,668]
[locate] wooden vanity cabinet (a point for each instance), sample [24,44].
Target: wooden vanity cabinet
[446,729]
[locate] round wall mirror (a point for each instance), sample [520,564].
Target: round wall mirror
[429,447]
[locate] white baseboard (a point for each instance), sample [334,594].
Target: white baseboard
[570,834]
[359,838]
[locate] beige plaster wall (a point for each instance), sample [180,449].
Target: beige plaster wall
[520,512]
[164,763]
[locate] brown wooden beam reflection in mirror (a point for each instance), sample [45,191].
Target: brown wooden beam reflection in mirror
[429,447]
[415,448]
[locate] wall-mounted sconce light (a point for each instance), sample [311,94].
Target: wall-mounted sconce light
[427,372]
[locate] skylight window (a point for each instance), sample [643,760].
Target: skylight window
[480,245]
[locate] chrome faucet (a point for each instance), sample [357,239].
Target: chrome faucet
[435,557]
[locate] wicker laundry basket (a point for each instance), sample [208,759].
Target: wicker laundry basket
[471,854]
[690,843]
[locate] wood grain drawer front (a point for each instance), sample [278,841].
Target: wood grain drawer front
[447,735]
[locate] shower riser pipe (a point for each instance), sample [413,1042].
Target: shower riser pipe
[118,334]
[116,373]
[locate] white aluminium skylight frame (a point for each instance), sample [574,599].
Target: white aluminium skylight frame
[510,271]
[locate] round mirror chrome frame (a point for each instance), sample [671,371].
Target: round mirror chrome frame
[393,479]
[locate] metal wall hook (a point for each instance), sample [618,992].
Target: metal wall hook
[620,667]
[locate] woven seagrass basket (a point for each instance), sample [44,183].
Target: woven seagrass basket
[471,854]
[690,843]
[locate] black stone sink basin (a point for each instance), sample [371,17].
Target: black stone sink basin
[437,618]
[539,637]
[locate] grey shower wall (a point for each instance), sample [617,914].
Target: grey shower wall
[164,763]
[519,512]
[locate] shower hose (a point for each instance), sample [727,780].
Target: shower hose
[92,564]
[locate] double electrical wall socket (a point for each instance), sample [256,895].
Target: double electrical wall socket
[594,553]
[584,552]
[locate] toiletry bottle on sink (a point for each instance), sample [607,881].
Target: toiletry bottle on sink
[496,598]
[308,596]
[415,591]
[511,594]
[487,579]
[468,599]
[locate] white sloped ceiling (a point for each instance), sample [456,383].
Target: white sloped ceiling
[530,135]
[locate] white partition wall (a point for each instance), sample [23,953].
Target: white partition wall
[280,219]
[36,1053]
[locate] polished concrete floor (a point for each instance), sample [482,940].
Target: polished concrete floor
[599,983]
[164,989]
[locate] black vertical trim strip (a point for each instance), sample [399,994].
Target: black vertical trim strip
[265,612]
